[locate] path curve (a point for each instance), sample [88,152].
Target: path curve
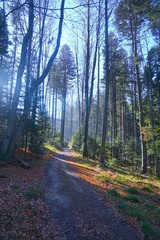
[79,212]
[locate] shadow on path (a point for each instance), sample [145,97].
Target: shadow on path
[80,213]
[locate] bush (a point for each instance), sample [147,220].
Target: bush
[77,140]
[93,146]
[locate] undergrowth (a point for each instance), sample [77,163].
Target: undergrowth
[135,195]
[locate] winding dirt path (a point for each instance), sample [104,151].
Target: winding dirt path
[79,212]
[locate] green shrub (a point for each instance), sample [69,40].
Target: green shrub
[103,177]
[2,158]
[132,198]
[16,187]
[148,188]
[113,161]
[113,193]
[121,179]
[132,190]
[77,140]
[149,231]
[33,193]
[131,211]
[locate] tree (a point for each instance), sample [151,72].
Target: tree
[67,74]
[13,131]
[3,33]
[154,18]
[105,112]
[129,18]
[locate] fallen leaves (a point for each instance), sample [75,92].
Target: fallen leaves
[23,213]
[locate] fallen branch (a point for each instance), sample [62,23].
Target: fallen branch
[22,163]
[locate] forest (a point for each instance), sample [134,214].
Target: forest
[100,92]
[79,103]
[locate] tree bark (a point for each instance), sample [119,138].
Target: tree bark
[12,134]
[13,112]
[85,139]
[141,121]
[105,113]
[63,116]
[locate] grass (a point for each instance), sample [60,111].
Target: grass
[132,198]
[16,187]
[33,193]
[50,147]
[132,190]
[113,193]
[131,211]
[103,177]
[148,188]
[121,178]
[149,231]
[135,195]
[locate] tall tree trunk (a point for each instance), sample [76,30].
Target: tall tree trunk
[13,70]
[26,100]
[63,115]
[85,139]
[151,114]
[105,114]
[71,129]
[10,140]
[55,122]
[141,121]
[97,108]
[13,112]
[53,108]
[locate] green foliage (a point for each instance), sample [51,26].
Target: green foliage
[148,188]
[50,147]
[76,143]
[16,187]
[132,190]
[103,177]
[93,146]
[77,140]
[131,211]
[2,158]
[40,132]
[150,231]
[132,198]
[121,178]
[33,193]
[113,193]
[56,141]
[113,161]
[3,33]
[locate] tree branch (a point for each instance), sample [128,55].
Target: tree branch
[52,58]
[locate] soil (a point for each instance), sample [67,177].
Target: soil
[80,212]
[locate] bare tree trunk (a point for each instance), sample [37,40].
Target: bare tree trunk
[85,139]
[13,70]
[13,112]
[10,140]
[53,108]
[55,122]
[78,89]
[71,129]
[26,100]
[140,108]
[105,114]
[63,115]
[97,110]
[141,122]
[151,114]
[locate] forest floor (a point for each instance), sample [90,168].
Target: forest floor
[79,209]
[64,196]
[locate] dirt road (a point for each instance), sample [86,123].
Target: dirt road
[77,208]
